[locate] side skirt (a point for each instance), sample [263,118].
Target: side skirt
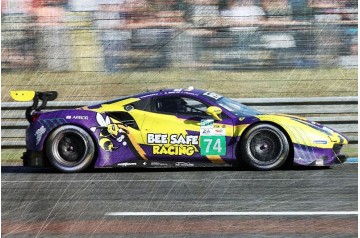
[168,164]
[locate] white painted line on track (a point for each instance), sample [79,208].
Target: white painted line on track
[299,213]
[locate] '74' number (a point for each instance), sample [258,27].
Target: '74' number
[213,145]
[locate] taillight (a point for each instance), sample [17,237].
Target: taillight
[34,117]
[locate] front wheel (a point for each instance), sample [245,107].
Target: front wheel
[70,149]
[264,147]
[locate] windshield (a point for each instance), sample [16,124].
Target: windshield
[237,108]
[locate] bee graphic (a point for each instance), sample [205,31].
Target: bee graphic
[109,131]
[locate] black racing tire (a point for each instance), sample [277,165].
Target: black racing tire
[264,147]
[70,149]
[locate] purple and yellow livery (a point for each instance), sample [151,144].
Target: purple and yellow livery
[178,127]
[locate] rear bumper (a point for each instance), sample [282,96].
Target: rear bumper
[33,159]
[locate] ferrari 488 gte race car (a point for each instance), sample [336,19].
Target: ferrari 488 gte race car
[172,128]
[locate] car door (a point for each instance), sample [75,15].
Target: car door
[177,128]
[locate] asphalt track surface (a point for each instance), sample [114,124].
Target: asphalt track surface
[45,203]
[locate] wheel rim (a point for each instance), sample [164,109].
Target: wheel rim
[265,147]
[71,149]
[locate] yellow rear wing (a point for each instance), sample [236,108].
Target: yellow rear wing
[24,96]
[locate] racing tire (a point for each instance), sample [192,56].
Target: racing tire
[70,149]
[264,147]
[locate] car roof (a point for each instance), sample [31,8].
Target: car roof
[197,93]
[169,92]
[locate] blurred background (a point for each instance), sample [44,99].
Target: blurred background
[263,48]
[96,50]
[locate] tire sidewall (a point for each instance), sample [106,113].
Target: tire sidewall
[250,160]
[53,154]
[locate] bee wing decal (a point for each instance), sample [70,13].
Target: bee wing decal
[107,120]
[100,120]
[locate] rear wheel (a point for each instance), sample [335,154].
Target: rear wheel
[264,147]
[70,149]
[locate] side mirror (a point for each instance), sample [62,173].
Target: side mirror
[214,112]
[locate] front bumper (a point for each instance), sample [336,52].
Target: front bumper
[315,156]
[341,159]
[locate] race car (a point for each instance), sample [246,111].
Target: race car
[172,128]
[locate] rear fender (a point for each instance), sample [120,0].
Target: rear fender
[38,132]
[120,149]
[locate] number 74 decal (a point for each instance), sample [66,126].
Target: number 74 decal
[212,145]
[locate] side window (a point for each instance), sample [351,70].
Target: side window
[143,104]
[180,105]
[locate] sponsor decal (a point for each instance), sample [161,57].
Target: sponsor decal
[39,133]
[213,132]
[184,164]
[207,123]
[126,164]
[322,142]
[212,95]
[77,117]
[158,164]
[219,131]
[205,132]
[164,144]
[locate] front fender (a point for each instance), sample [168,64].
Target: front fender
[313,143]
